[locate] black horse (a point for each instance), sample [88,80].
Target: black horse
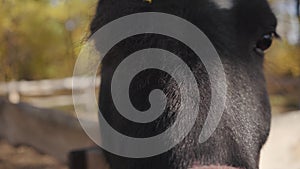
[240,30]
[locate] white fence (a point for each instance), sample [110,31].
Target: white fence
[43,93]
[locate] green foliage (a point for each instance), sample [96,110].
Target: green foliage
[283,60]
[41,38]
[282,66]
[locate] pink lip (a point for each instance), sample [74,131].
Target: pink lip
[213,167]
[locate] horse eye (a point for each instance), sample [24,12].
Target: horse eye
[265,42]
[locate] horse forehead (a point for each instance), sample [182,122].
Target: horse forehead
[223,4]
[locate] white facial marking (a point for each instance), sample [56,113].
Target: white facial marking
[223,4]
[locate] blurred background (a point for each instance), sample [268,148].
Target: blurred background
[40,41]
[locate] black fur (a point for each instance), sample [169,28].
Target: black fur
[245,124]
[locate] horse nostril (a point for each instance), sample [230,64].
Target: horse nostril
[148,1]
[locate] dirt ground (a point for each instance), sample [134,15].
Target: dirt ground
[282,150]
[24,157]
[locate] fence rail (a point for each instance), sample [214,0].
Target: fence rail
[44,93]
